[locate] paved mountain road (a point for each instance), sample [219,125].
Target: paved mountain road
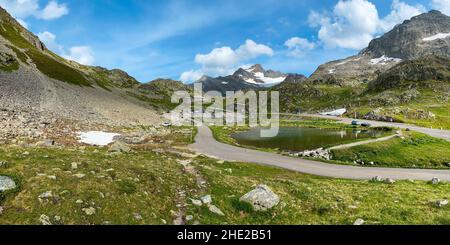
[206,144]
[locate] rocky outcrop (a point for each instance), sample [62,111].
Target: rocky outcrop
[421,36]
[262,198]
[6,184]
[414,38]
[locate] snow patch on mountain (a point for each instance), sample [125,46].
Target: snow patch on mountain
[436,37]
[383,60]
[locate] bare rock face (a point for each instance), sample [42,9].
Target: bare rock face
[261,198]
[423,35]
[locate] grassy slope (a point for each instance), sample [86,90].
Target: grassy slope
[415,150]
[146,183]
[46,64]
[313,200]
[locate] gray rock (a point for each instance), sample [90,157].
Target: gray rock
[89,211]
[261,198]
[435,181]
[6,183]
[359,222]
[377,179]
[119,147]
[189,217]
[206,199]
[215,210]
[45,220]
[389,181]
[441,203]
[1,210]
[196,202]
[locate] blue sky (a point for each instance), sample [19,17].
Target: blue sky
[187,39]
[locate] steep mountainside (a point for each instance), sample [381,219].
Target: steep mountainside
[32,78]
[402,76]
[426,34]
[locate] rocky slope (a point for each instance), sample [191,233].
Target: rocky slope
[426,34]
[401,76]
[32,78]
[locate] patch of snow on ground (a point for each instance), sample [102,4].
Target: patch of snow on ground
[383,60]
[96,138]
[436,37]
[225,83]
[338,112]
[331,71]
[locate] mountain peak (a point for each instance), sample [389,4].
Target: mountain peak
[425,34]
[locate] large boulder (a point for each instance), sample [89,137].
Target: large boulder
[261,198]
[6,183]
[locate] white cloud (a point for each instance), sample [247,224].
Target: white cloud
[53,10]
[297,45]
[224,60]
[441,5]
[81,54]
[400,12]
[49,39]
[191,76]
[22,9]
[354,23]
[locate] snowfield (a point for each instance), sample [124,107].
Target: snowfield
[436,37]
[98,138]
[383,60]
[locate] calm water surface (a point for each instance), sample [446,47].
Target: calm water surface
[300,139]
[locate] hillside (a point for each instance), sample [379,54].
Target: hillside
[401,76]
[33,80]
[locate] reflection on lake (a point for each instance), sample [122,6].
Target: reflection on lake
[300,139]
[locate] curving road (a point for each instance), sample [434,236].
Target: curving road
[438,133]
[206,144]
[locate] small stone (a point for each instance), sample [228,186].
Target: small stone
[359,222]
[137,216]
[352,207]
[45,220]
[196,202]
[377,179]
[389,181]
[79,201]
[89,211]
[80,176]
[441,203]
[57,218]
[1,210]
[74,165]
[215,210]
[164,221]
[26,153]
[435,181]
[119,147]
[52,177]
[189,217]
[206,199]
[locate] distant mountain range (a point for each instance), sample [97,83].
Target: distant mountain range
[254,77]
